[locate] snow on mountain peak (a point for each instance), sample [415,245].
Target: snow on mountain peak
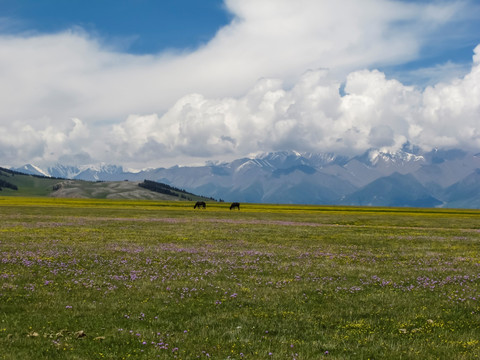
[399,157]
[32,169]
[252,163]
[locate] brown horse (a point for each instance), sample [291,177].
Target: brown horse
[235,205]
[200,204]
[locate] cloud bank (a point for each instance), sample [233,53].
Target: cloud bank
[312,116]
[70,96]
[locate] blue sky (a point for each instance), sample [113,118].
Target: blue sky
[139,26]
[156,83]
[152,26]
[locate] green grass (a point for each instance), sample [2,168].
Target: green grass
[28,185]
[93,279]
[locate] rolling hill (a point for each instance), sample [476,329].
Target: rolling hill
[13,183]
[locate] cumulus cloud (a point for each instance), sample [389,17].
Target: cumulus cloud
[46,142]
[451,111]
[314,116]
[68,95]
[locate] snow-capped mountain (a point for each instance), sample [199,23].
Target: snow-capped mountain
[32,169]
[90,173]
[408,177]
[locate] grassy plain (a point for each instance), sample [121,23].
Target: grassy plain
[112,279]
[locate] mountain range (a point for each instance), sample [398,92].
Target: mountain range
[409,177]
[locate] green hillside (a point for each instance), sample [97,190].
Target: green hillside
[13,183]
[27,185]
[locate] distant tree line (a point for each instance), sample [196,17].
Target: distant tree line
[168,190]
[165,189]
[6,184]
[8,171]
[13,173]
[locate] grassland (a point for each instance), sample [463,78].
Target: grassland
[113,279]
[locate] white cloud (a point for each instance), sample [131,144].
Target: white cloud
[313,116]
[429,76]
[476,56]
[48,80]
[451,112]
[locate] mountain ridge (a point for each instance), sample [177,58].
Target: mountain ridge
[314,178]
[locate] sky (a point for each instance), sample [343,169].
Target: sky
[147,83]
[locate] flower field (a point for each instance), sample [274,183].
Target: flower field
[100,279]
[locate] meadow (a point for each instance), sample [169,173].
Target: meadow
[114,279]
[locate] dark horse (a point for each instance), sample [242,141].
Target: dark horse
[200,204]
[235,205]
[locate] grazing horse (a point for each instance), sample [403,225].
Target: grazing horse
[235,205]
[200,204]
